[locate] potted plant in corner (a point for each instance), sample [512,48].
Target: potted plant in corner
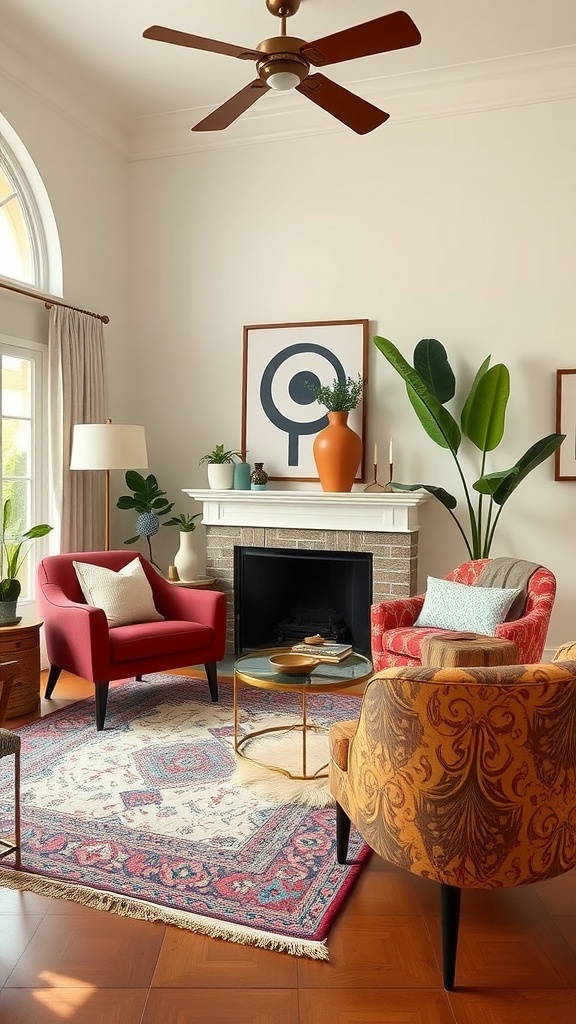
[220,468]
[185,559]
[337,449]
[431,384]
[11,559]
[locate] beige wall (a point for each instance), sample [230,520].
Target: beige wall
[459,227]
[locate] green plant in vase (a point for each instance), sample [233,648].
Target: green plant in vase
[340,396]
[12,558]
[184,522]
[337,449]
[150,502]
[430,384]
[220,467]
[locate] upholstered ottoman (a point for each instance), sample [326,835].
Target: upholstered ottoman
[467,650]
[566,653]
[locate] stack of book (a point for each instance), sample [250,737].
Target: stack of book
[326,651]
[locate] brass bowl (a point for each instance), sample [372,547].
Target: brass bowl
[293,664]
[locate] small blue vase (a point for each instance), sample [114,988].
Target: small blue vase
[242,473]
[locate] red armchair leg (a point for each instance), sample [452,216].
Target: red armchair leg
[101,695]
[52,680]
[212,677]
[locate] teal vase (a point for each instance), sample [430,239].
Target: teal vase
[242,472]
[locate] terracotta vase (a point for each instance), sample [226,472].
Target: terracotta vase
[337,452]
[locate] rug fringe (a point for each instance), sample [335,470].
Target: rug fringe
[138,909]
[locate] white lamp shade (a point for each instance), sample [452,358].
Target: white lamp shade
[108,446]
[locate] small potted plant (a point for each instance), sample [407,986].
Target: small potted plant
[185,559]
[150,502]
[11,559]
[337,449]
[220,468]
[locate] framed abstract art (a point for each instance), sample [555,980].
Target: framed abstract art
[280,416]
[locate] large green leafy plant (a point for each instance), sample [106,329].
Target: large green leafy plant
[430,384]
[12,554]
[150,502]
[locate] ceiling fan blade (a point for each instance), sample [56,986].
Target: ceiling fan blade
[171,35]
[391,32]
[352,110]
[236,105]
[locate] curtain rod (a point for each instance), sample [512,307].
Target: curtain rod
[50,301]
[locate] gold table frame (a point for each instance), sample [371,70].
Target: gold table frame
[334,678]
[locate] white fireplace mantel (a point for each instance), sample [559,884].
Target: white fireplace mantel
[311,510]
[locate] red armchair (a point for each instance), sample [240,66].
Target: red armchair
[79,639]
[396,641]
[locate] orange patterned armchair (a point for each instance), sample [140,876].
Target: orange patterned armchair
[396,641]
[464,776]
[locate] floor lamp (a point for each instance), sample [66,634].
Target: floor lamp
[108,446]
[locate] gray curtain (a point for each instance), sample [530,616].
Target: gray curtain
[77,394]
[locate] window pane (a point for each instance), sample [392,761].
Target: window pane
[19,493]
[17,436]
[16,448]
[16,258]
[16,386]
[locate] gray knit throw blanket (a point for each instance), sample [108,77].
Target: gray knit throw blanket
[509,572]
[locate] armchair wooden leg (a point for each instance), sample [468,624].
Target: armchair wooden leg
[450,903]
[212,677]
[52,680]
[138,679]
[101,694]
[342,834]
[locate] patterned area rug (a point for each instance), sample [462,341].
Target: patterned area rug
[144,819]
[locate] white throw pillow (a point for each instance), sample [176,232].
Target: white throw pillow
[125,596]
[449,605]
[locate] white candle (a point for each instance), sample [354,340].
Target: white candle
[375,454]
[391,453]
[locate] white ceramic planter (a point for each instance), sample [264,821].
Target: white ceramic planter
[220,476]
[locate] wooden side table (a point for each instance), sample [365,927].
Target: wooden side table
[21,643]
[202,581]
[467,650]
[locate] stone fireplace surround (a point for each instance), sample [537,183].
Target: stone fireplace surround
[383,524]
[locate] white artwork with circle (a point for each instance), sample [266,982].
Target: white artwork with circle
[280,416]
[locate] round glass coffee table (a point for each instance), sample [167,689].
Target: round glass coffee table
[255,670]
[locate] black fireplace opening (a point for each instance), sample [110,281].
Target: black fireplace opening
[282,595]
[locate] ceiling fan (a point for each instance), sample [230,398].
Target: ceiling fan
[283,62]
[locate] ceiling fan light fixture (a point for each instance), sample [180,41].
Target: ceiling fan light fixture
[282,81]
[283,71]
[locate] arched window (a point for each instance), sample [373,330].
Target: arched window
[22,241]
[29,244]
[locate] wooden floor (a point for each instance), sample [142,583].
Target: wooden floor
[516,962]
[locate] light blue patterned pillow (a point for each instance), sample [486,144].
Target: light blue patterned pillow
[449,605]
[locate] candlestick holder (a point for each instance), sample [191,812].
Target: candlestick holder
[375,486]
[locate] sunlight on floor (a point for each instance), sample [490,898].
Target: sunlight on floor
[64,998]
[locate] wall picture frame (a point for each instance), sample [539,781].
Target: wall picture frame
[280,416]
[565,455]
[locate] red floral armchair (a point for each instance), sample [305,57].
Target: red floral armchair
[79,639]
[396,641]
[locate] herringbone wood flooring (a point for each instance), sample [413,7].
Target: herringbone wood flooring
[516,961]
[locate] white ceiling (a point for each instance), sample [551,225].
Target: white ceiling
[143,77]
